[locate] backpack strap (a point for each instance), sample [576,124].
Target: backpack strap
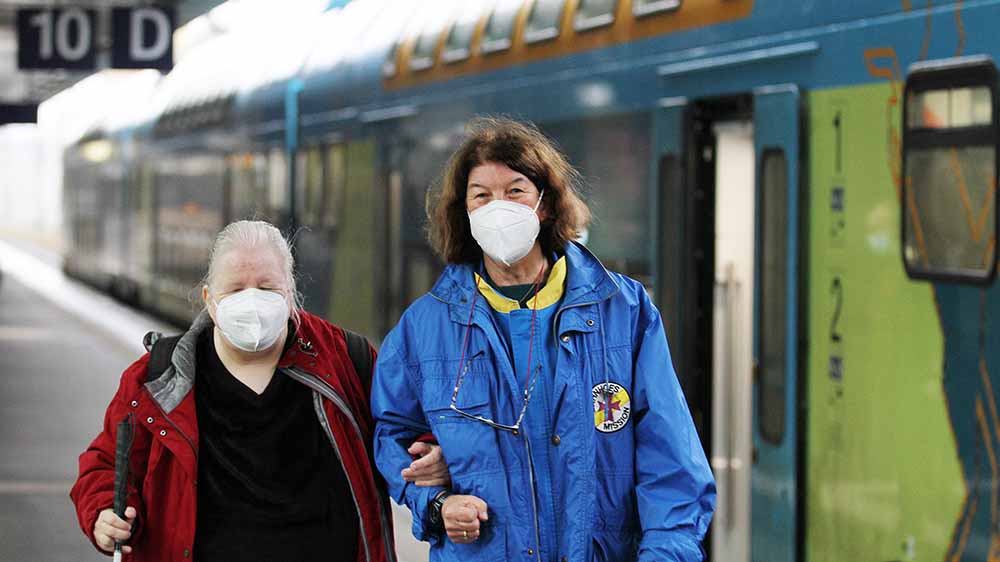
[161,349]
[361,355]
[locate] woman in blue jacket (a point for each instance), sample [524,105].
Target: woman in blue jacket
[545,377]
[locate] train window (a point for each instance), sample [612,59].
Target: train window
[277,195]
[646,7]
[422,56]
[591,14]
[772,328]
[389,66]
[500,26]
[459,39]
[950,108]
[544,20]
[261,178]
[336,178]
[311,185]
[241,180]
[603,149]
[949,166]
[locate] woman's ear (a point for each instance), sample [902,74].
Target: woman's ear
[543,211]
[207,299]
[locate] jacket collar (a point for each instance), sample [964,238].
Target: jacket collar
[587,280]
[549,294]
[170,388]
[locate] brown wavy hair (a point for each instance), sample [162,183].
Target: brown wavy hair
[523,148]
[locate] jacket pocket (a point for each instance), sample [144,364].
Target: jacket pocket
[599,554]
[447,415]
[617,543]
[470,446]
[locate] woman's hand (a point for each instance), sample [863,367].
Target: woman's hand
[429,468]
[461,516]
[109,527]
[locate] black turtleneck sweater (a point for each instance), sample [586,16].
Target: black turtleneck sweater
[270,486]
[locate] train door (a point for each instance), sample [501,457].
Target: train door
[727,243]
[775,406]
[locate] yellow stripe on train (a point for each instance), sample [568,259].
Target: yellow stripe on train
[626,27]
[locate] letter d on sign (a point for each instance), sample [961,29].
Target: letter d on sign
[137,39]
[142,37]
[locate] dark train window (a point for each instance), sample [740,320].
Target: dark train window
[949,171]
[459,40]
[544,20]
[422,56]
[334,182]
[500,26]
[645,7]
[310,176]
[668,292]
[591,14]
[250,180]
[773,329]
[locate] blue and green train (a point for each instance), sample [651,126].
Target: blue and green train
[807,189]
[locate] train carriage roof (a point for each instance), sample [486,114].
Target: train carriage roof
[365,67]
[225,79]
[367,60]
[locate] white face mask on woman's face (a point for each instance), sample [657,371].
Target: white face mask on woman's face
[252,319]
[505,230]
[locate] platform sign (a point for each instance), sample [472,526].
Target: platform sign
[54,38]
[143,37]
[18,113]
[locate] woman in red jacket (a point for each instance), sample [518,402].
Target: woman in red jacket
[267,457]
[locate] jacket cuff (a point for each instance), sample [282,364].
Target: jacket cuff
[134,500]
[420,507]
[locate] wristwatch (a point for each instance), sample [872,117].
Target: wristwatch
[434,510]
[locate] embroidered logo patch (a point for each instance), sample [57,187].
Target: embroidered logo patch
[612,407]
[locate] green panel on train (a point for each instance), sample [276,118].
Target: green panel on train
[884,481]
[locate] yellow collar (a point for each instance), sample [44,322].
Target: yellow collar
[546,297]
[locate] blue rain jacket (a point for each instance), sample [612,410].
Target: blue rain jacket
[634,483]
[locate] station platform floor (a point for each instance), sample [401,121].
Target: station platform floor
[63,347]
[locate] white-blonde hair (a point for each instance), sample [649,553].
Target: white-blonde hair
[248,235]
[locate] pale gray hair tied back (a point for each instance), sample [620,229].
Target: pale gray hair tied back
[259,235]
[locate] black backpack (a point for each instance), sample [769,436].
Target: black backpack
[161,349]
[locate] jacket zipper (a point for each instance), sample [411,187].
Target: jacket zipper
[329,393]
[534,501]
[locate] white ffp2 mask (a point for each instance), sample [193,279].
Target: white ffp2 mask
[505,230]
[252,319]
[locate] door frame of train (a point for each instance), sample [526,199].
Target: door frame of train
[776,511]
[670,174]
[776,476]
[685,163]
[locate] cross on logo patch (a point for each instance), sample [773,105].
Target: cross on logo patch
[612,407]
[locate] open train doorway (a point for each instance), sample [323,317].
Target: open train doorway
[732,343]
[727,283]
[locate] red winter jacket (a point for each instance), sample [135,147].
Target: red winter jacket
[164,461]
